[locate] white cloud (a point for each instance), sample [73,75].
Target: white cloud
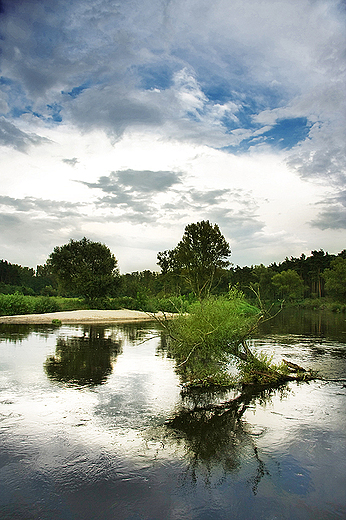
[166,88]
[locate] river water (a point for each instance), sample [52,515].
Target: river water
[94,425]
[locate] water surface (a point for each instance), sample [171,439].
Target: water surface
[93,425]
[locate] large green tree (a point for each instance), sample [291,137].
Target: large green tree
[84,268]
[198,257]
[289,284]
[335,278]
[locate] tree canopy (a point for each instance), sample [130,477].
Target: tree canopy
[335,278]
[84,268]
[289,283]
[198,256]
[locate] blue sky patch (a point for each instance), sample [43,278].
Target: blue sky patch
[158,76]
[54,109]
[76,91]
[284,135]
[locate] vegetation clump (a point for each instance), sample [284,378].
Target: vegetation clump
[213,337]
[13,304]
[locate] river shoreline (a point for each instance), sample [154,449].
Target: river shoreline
[85,316]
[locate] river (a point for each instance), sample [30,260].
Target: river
[94,426]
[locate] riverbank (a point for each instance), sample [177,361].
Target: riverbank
[85,316]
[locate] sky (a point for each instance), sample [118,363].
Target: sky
[124,121]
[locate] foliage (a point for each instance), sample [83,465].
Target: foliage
[210,336]
[201,252]
[310,270]
[12,304]
[321,277]
[180,304]
[70,304]
[15,278]
[335,279]
[289,283]
[260,370]
[84,268]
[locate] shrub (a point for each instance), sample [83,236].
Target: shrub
[43,304]
[180,304]
[12,304]
[207,339]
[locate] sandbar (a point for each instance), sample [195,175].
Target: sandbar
[86,316]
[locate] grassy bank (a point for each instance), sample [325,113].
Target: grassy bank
[14,304]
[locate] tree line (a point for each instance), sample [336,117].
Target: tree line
[199,266]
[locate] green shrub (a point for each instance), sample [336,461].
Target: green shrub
[43,304]
[207,339]
[70,304]
[13,304]
[174,304]
[122,302]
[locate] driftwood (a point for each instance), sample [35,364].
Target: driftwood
[293,367]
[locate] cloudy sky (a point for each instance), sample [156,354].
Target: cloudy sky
[124,121]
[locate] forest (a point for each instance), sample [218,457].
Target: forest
[294,279]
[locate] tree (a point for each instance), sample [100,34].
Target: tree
[202,251]
[289,283]
[335,278]
[84,268]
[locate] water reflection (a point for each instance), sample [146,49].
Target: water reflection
[16,333]
[316,324]
[84,360]
[136,448]
[214,434]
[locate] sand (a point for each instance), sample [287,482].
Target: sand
[85,316]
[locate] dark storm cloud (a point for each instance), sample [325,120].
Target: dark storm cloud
[220,196]
[133,192]
[131,196]
[208,198]
[144,181]
[241,225]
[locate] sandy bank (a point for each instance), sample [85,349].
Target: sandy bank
[84,316]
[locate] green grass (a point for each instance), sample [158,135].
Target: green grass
[14,304]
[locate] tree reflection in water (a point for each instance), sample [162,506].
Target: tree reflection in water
[83,360]
[216,435]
